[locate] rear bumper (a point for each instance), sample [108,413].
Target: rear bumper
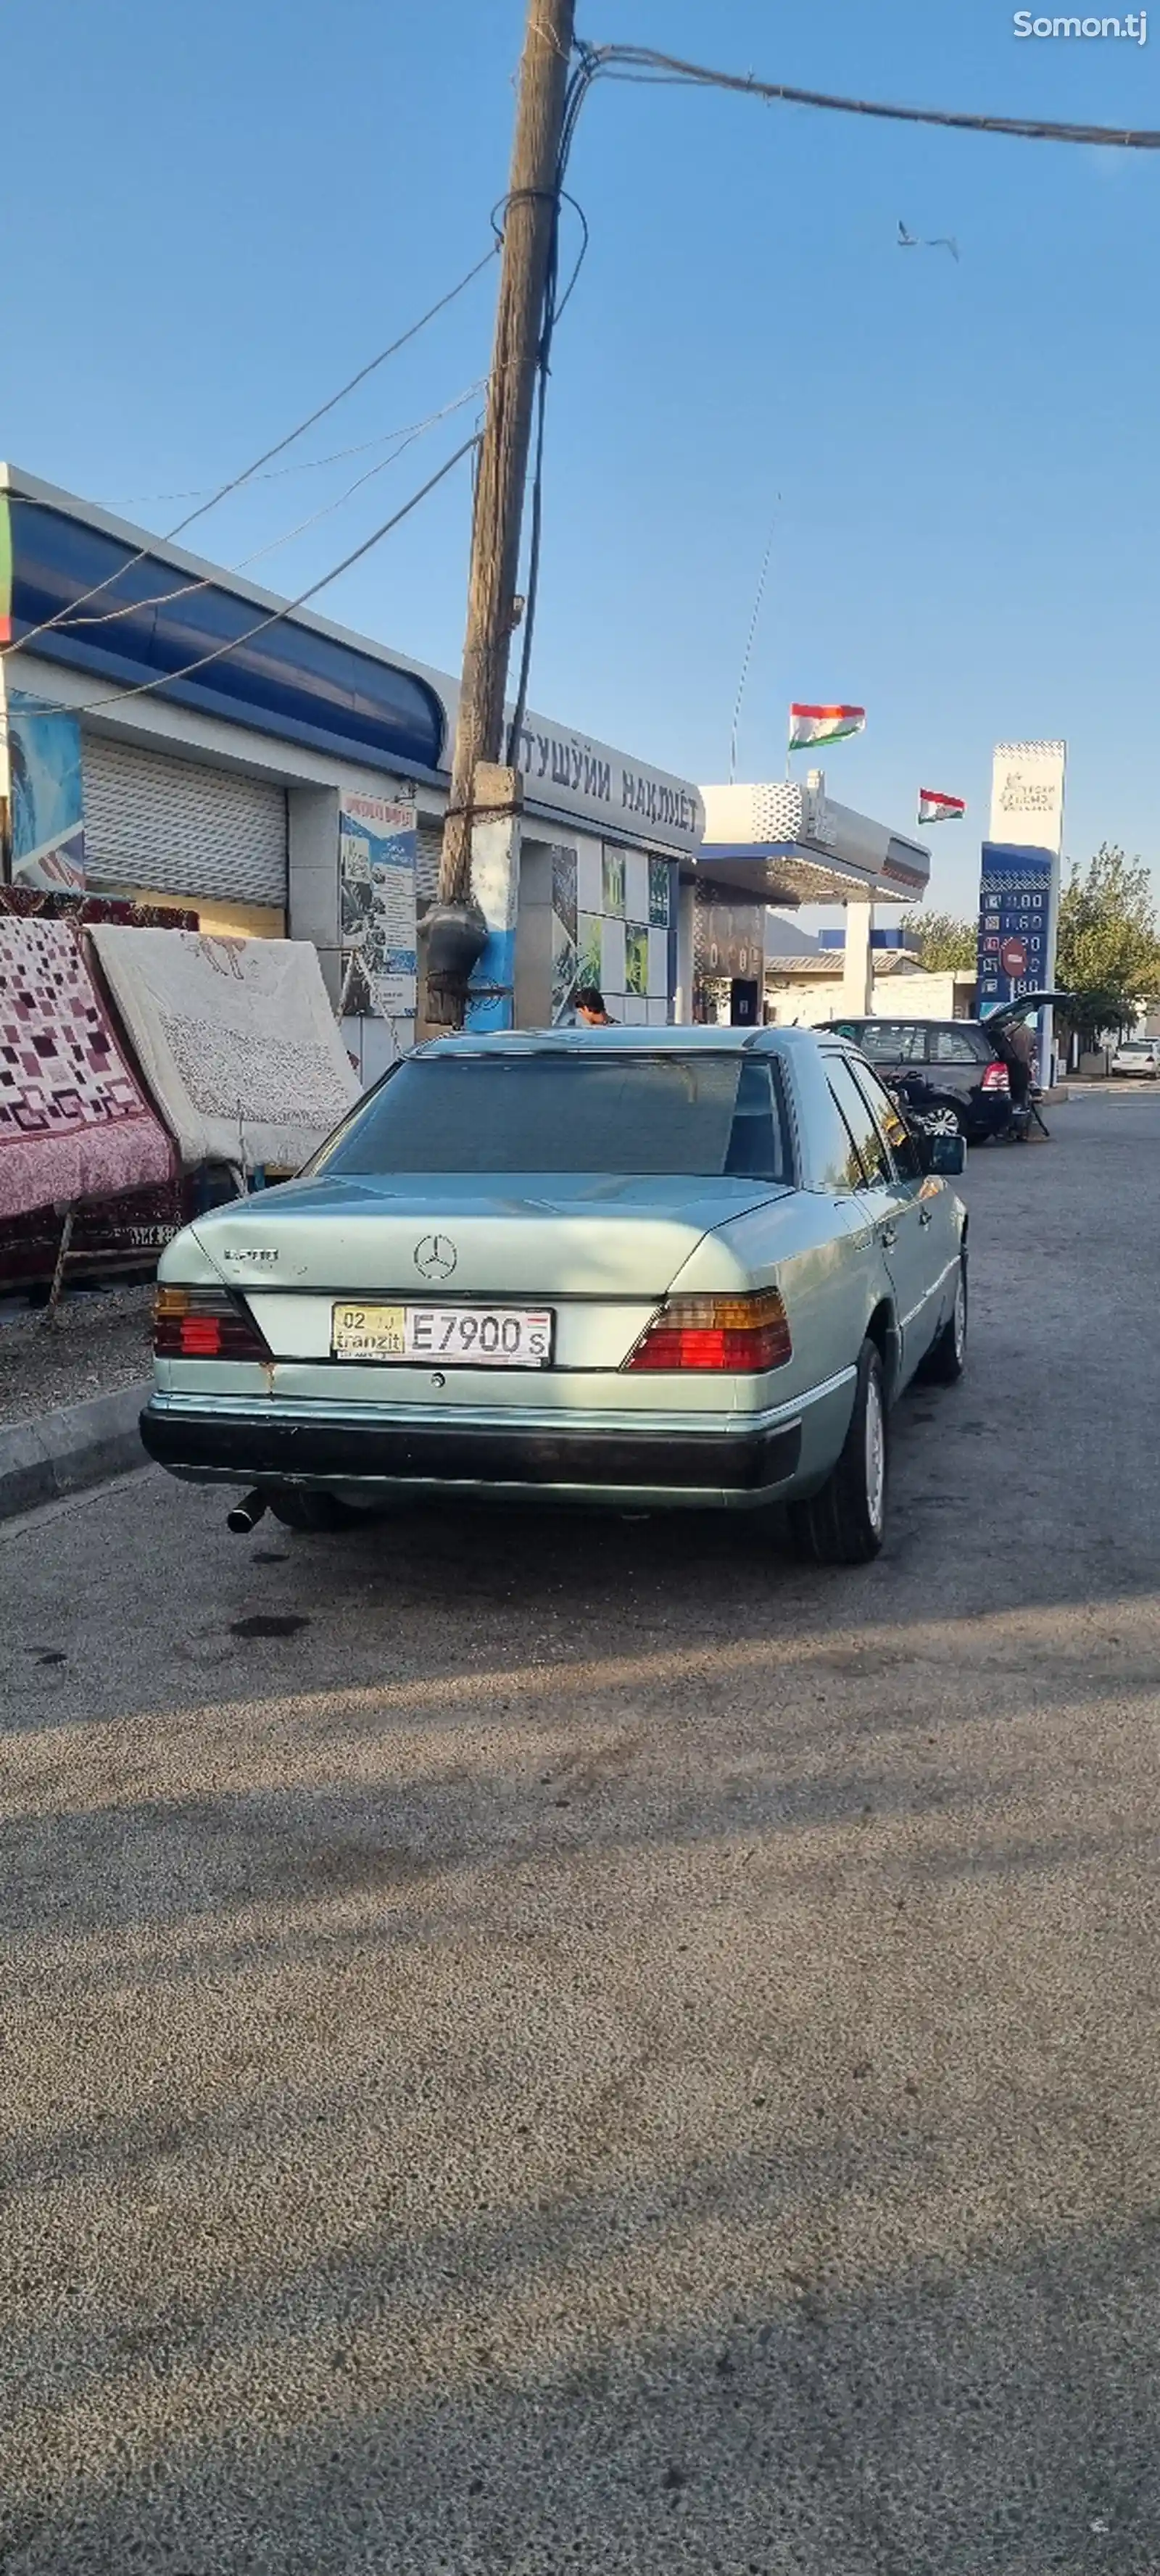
[216,1445]
[987,1113]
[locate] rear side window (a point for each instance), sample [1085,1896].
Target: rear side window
[894,1041]
[614,1112]
[755,1151]
[870,1163]
[958,1046]
[904,1151]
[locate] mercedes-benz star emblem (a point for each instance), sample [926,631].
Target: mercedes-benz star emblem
[435,1256]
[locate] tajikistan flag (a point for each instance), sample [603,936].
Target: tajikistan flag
[933,808]
[808,725]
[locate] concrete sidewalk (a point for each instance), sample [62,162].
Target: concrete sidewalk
[79,1444]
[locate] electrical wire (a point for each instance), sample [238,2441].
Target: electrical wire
[223,491]
[749,643]
[212,581]
[169,679]
[282,473]
[644,63]
[647,65]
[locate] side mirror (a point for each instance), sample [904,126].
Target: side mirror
[944,1155]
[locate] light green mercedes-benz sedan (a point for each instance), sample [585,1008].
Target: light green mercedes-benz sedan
[629,1267]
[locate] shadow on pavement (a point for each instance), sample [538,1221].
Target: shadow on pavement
[601,2049]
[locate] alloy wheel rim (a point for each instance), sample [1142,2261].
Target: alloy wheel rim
[875,1453]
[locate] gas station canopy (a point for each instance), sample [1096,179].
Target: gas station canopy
[788,845]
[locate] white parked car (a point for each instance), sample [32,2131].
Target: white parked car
[683,1266]
[1139,1057]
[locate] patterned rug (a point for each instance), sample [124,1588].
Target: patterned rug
[73,1122]
[236,1039]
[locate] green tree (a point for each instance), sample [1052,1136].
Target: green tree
[1108,948]
[945,946]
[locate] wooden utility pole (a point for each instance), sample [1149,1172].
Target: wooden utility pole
[503,460]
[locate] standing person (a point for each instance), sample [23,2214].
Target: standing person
[589,1008]
[1018,1057]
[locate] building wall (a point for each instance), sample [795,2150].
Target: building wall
[597,910]
[818,999]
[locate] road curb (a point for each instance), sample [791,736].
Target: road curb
[80,1444]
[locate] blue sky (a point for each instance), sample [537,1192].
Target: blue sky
[213,215]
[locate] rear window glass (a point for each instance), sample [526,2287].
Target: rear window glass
[894,1041]
[688,1115]
[958,1046]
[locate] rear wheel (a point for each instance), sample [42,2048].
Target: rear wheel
[944,1120]
[845,1523]
[947,1356]
[299,1509]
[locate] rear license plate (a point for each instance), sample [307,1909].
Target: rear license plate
[464,1336]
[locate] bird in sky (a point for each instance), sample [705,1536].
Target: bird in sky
[914,241]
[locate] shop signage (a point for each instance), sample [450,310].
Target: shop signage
[1027,794]
[567,771]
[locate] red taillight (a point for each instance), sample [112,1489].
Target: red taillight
[996,1077]
[734,1335]
[204,1324]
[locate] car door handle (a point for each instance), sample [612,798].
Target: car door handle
[926,1216]
[887,1236]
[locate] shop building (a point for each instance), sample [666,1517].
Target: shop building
[176,738]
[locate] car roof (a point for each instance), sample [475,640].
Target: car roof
[892,1020]
[626,1040]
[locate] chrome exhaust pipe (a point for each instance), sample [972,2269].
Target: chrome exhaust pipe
[243,1517]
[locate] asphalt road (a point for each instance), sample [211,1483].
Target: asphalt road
[546,2046]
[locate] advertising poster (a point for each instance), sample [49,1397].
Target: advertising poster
[636,959]
[46,801]
[378,848]
[659,877]
[613,876]
[565,932]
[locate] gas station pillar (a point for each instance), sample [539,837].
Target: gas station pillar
[857,963]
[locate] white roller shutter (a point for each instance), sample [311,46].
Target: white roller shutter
[182,827]
[430,845]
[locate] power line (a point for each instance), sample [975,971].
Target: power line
[282,473]
[642,62]
[223,491]
[212,581]
[169,679]
[645,64]
[747,656]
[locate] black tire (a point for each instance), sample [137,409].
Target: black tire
[845,1523]
[298,1508]
[947,1356]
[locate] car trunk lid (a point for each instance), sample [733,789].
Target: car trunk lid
[535,1238]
